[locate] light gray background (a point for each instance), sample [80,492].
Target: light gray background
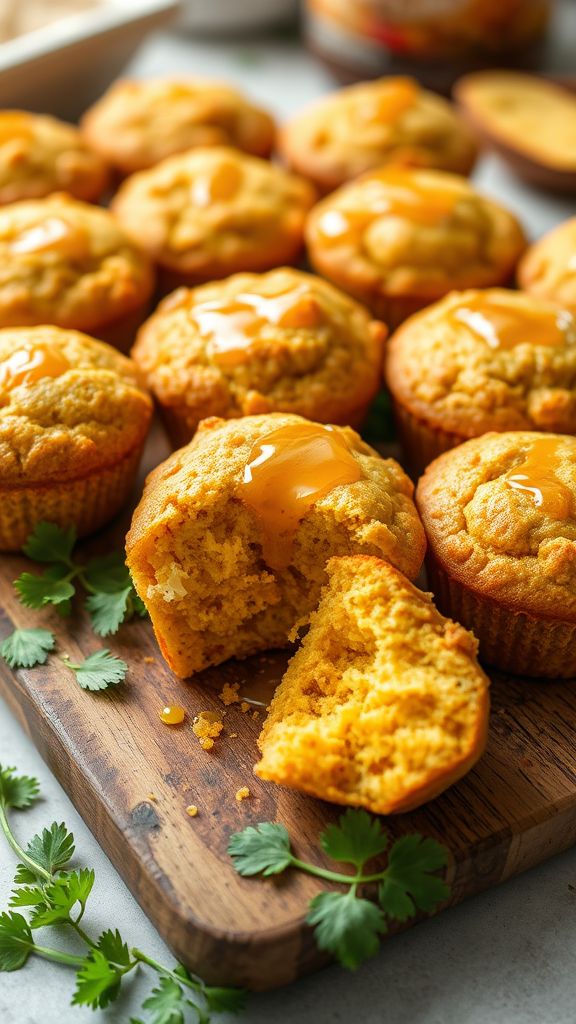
[506,957]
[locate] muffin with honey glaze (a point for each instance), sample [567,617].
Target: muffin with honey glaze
[500,516]
[548,268]
[73,421]
[208,213]
[478,361]
[399,239]
[40,155]
[278,342]
[387,121]
[138,123]
[67,263]
[229,543]
[384,705]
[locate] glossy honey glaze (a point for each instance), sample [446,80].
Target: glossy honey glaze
[537,477]
[390,192]
[52,235]
[287,472]
[217,184]
[503,326]
[389,100]
[29,364]
[230,326]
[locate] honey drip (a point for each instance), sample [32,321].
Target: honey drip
[288,471]
[392,99]
[29,364]
[231,326]
[502,326]
[52,235]
[219,184]
[537,477]
[391,191]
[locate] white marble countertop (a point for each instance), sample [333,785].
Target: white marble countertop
[506,956]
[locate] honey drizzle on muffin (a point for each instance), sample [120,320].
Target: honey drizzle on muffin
[537,476]
[288,471]
[29,364]
[503,327]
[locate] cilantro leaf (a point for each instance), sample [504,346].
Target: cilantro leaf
[97,982]
[108,574]
[263,849]
[409,882]
[61,895]
[27,896]
[50,543]
[107,611]
[100,671]
[346,926]
[51,587]
[23,875]
[167,1003]
[225,1000]
[25,648]
[16,942]
[355,839]
[53,848]
[112,945]
[18,791]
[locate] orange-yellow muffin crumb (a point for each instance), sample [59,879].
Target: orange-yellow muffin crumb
[192,811]
[244,707]
[242,794]
[384,705]
[229,693]
[229,543]
[207,726]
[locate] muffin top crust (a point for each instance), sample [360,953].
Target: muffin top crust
[487,360]
[138,123]
[67,263]
[548,268]
[40,154]
[387,121]
[211,212]
[68,405]
[412,233]
[254,343]
[500,516]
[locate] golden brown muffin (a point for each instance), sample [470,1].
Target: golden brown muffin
[73,422]
[387,121]
[478,361]
[384,705]
[399,239]
[138,123]
[40,155]
[284,341]
[500,517]
[229,543]
[67,263]
[212,212]
[548,268]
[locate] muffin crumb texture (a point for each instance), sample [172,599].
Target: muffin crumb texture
[384,705]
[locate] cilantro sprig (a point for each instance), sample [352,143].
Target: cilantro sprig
[347,924]
[53,893]
[111,598]
[25,648]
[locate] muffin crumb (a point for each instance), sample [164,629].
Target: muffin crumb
[192,810]
[242,794]
[207,726]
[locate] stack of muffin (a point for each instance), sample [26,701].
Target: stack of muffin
[275,513]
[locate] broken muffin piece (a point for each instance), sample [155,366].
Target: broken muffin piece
[229,543]
[384,705]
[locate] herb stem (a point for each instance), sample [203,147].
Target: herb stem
[178,978]
[58,956]
[336,876]
[81,933]
[38,870]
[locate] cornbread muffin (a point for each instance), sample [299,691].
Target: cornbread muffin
[384,705]
[277,342]
[229,543]
[387,121]
[398,239]
[548,268]
[67,263]
[211,212]
[138,123]
[500,517]
[39,155]
[479,361]
[73,421]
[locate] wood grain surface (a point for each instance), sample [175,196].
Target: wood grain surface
[131,778]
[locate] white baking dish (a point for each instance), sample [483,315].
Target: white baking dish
[65,66]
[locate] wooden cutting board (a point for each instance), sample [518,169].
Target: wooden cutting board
[131,778]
